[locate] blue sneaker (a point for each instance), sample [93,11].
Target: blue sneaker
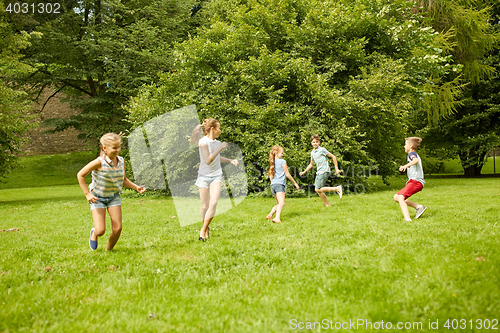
[92,243]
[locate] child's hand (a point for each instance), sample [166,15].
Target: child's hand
[297,186]
[402,168]
[301,173]
[223,145]
[338,171]
[234,162]
[91,198]
[141,189]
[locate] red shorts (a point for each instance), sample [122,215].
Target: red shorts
[412,186]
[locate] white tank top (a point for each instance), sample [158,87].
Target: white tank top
[213,169]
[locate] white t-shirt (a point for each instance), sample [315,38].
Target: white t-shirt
[213,169]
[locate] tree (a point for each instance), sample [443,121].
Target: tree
[474,129]
[13,107]
[276,72]
[99,53]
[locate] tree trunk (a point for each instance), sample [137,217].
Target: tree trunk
[472,161]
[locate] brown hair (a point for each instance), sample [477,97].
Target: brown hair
[108,139]
[414,141]
[272,155]
[315,137]
[205,126]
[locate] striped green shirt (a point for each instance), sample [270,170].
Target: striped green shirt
[319,155]
[109,180]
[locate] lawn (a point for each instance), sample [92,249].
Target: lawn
[491,166]
[354,262]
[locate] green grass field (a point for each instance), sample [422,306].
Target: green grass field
[490,167]
[357,260]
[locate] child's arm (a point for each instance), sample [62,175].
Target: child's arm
[406,166]
[308,167]
[337,170]
[289,176]
[228,160]
[127,183]
[209,158]
[94,165]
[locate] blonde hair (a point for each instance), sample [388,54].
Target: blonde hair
[108,139]
[414,141]
[272,156]
[205,126]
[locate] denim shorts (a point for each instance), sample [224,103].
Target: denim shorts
[321,179]
[275,188]
[104,202]
[205,181]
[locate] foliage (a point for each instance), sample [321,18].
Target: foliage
[14,120]
[99,53]
[474,130]
[276,72]
[466,26]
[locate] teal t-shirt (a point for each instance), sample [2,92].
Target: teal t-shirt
[319,155]
[279,172]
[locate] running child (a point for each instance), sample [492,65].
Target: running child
[415,181]
[278,170]
[319,156]
[210,172]
[108,179]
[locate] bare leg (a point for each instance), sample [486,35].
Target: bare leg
[99,217]
[321,192]
[330,189]
[280,198]
[323,197]
[404,207]
[411,204]
[210,213]
[115,213]
[273,210]
[205,200]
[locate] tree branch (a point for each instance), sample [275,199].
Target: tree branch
[48,99]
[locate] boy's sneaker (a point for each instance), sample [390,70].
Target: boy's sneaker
[420,210]
[408,220]
[92,243]
[340,192]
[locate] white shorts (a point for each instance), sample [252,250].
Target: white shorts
[205,181]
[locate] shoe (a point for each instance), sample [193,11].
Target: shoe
[420,210]
[92,243]
[340,192]
[408,220]
[201,238]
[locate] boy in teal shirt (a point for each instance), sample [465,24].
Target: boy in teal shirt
[319,156]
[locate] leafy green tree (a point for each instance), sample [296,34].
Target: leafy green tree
[276,72]
[466,26]
[99,53]
[474,130]
[13,106]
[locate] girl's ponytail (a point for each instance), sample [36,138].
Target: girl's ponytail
[205,126]
[272,156]
[196,135]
